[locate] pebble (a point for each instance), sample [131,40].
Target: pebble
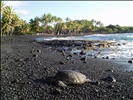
[84,59]
[96,90]
[39,51]
[57,91]
[13,81]
[109,70]
[35,55]
[70,55]
[83,52]
[109,79]
[110,86]
[61,62]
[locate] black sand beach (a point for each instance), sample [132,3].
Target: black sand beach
[26,64]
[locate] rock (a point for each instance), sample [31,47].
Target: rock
[35,55]
[110,86]
[68,58]
[103,57]
[107,57]
[13,81]
[109,70]
[70,55]
[118,44]
[113,58]
[109,79]
[96,90]
[83,52]
[57,91]
[39,51]
[61,62]
[95,56]
[95,82]
[75,53]
[130,61]
[84,59]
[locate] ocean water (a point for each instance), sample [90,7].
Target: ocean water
[122,53]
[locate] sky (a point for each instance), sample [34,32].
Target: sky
[108,12]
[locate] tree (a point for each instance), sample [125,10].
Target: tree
[23,29]
[9,20]
[93,24]
[46,19]
[49,29]
[34,24]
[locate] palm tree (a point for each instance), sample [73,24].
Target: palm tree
[34,24]
[7,18]
[15,23]
[68,19]
[46,19]
[63,28]
[2,7]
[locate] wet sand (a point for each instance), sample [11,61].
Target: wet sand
[26,64]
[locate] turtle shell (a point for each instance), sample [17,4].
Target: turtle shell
[70,77]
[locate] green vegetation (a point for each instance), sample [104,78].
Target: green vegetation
[12,24]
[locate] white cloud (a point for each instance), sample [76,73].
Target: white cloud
[15,4]
[22,12]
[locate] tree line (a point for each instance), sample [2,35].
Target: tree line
[12,24]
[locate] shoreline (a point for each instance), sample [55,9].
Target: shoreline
[26,64]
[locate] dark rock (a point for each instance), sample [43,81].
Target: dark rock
[110,86]
[95,56]
[101,45]
[61,62]
[103,57]
[109,79]
[83,52]
[107,57]
[116,91]
[39,51]
[95,82]
[130,61]
[75,53]
[84,59]
[70,55]
[118,44]
[109,70]
[35,55]
[113,58]
[13,81]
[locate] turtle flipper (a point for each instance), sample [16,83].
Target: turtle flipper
[88,80]
[60,83]
[92,82]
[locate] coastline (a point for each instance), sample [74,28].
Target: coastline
[23,72]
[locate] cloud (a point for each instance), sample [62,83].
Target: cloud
[15,4]
[22,12]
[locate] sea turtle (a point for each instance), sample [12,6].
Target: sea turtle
[65,77]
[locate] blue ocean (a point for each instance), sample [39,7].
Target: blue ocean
[122,53]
